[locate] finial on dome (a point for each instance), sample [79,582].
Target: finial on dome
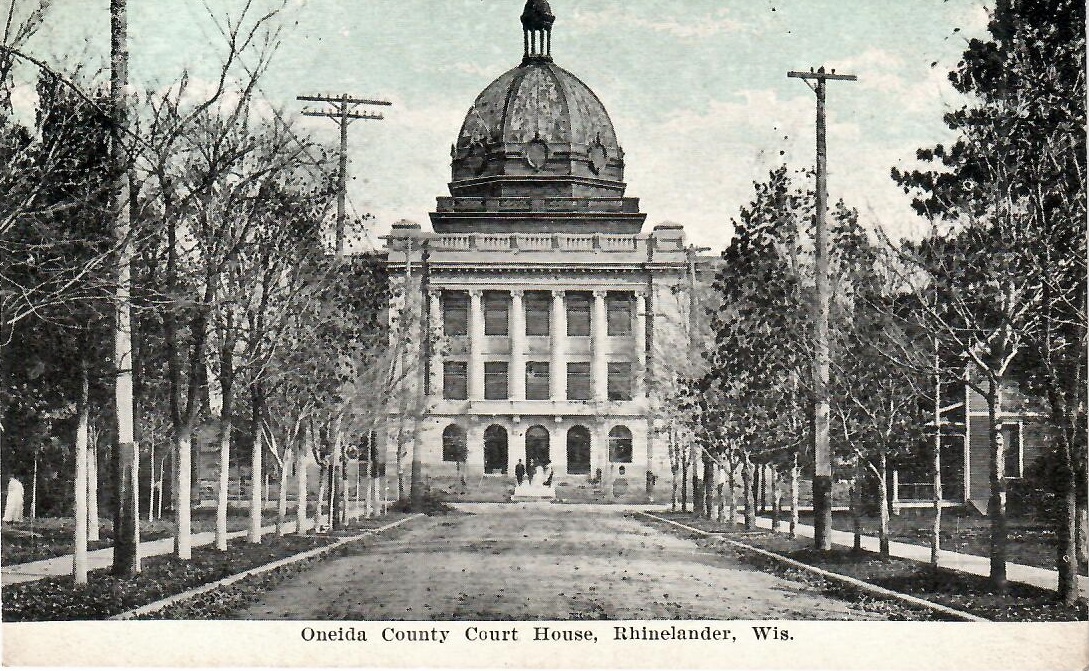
[537,20]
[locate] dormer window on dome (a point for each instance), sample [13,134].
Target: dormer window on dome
[537,20]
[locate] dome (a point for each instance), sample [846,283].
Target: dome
[537,130]
[538,100]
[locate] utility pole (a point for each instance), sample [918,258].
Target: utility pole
[344,112]
[126,554]
[693,355]
[822,453]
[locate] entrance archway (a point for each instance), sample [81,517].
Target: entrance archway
[578,450]
[495,449]
[537,445]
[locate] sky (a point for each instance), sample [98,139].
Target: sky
[697,90]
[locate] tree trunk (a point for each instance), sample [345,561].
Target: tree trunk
[776,499]
[319,519]
[731,493]
[697,492]
[936,466]
[336,482]
[856,503]
[1082,537]
[257,476]
[183,520]
[684,486]
[300,480]
[343,491]
[795,475]
[378,485]
[708,486]
[673,498]
[996,503]
[79,562]
[720,485]
[368,487]
[224,484]
[748,474]
[92,491]
[883,493]
[281,495]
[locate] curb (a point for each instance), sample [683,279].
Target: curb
[854,582]
[316,552]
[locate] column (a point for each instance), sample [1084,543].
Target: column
[476,345]
[558,447]
[599,361]
[640,336]
[601,436]
[557,373]
[474,448]
[517,345]
[435,328]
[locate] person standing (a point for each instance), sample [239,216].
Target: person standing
[520,471]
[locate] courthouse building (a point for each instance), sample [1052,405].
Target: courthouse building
[549,310]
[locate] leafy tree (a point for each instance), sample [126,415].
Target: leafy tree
[1011,273]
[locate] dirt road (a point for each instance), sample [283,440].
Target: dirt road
[524,562]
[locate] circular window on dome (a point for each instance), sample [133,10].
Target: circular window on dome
[598,157]
[536,154]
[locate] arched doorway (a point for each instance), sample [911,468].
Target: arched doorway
[537,445]
[495,449]
[578,450]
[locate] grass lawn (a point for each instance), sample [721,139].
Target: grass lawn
[46,537]
[965,592]
[1030,542]
[161,576]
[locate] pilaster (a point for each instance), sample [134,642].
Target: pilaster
[517,345]
[599,331]
[557,374]
[476,345]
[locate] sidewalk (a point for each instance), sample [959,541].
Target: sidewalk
[1030,575]
[97,559]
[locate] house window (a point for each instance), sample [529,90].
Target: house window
[455,385]
[620,381]
[537,381]
[619,308]
[455,313]
[496,313]
[578,381]
[620,445]
[578,314]
[453,443]
[495,381]
[538,313]
[1011,446]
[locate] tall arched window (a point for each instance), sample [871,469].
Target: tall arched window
[537,445]
[620,445]
[453,443]
[578,450]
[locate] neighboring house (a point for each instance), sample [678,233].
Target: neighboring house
[543,300]
[965,454]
